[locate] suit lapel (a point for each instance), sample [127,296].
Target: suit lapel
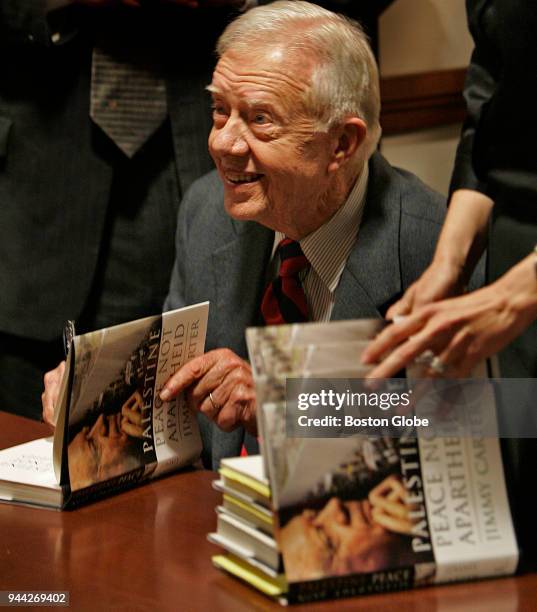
[372,277]
[239,277]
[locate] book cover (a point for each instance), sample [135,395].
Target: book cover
[364,514]
[112,429]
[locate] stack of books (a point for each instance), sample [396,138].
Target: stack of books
[320,517]
[246,526]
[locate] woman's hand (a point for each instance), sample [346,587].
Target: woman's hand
[460,331]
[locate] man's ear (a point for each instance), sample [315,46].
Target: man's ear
[349,137]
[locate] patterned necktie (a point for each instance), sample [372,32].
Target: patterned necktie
[128,99]
[284,300]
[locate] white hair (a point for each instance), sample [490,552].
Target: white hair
[345,80]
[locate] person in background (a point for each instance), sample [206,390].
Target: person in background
[493,205]
[103,126]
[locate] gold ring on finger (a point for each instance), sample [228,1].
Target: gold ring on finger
[216,407]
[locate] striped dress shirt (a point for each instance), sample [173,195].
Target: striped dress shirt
[327,250]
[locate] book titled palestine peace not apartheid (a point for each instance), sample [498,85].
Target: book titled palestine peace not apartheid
[112,430]
[322,518]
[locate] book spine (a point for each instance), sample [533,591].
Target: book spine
[338,587]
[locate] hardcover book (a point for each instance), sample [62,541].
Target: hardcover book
[112,430]
[362,514]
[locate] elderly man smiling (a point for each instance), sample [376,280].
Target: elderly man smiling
[302,220]
[295,127]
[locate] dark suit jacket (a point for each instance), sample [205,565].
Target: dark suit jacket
[55,167]
[225,261]
[496,153]
[497,145]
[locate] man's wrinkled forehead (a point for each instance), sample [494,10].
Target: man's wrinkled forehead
[269,67]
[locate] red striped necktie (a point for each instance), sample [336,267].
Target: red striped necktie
[284,300]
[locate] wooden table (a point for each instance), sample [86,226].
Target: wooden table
[146,550]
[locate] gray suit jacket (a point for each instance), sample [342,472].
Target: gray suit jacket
[225,261]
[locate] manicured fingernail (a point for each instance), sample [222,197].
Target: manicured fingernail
[165,394]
